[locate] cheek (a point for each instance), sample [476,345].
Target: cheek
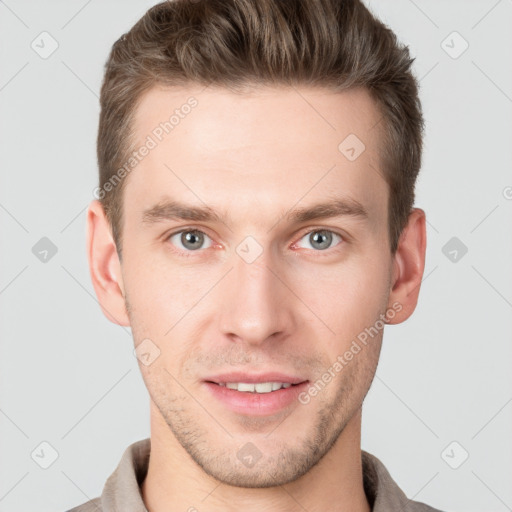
[347,297]
[163,304]
[160,290]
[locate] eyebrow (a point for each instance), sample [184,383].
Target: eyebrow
[174,210]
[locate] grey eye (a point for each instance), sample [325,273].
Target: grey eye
[320,239]
[190,240]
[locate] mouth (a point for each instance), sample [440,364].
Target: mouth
[256,395]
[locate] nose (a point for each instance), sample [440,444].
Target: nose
[256,304]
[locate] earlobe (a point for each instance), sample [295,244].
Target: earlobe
[408,266]
[104,265]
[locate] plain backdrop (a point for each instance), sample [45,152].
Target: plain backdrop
[439,413]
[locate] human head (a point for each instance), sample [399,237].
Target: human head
[334,44]
[252,153]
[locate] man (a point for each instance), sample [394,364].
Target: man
[254,227]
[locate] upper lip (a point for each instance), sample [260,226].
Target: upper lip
[255,377]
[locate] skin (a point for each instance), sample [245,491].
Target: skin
[295,309]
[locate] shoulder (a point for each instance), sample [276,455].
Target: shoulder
[89,506]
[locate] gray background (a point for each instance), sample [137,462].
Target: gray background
[69,378]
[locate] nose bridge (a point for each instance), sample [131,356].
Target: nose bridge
[254,304]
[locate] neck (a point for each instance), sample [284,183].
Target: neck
[174,482]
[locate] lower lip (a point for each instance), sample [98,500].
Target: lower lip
[256,404]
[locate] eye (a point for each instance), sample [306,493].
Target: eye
[190,239]
[321,239]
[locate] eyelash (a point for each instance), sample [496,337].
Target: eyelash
[188,254]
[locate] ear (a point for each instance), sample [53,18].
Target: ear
[104,265]
[408,267]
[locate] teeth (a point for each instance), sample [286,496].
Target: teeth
[259,387]
[263,387]
[242,386]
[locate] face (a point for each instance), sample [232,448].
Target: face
[233,273]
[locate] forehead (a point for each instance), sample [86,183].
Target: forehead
[257,113]
[273,146]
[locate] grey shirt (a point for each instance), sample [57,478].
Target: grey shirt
[121,492]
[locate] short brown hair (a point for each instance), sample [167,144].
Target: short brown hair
[335,44]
